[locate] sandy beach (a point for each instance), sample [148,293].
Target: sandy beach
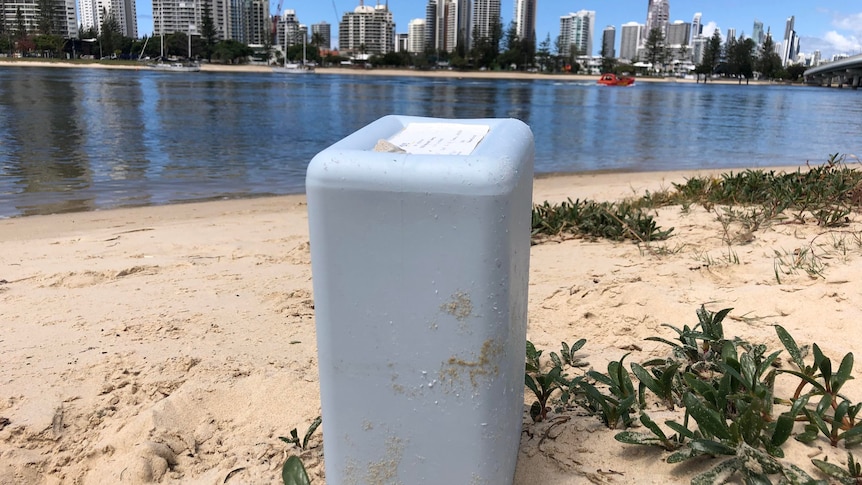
[371,73]
[175,344]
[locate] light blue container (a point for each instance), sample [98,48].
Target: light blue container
[420,265]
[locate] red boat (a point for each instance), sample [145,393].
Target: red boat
[611,79]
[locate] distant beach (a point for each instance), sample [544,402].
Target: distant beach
[439,73]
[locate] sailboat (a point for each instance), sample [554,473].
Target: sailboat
[292,67]
[165,64]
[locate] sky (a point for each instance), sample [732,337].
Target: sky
[833,27]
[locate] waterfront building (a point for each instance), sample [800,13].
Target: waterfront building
[401,42]
[658,16]
[576,33]
[698,44]
[289,31]
[94,12]
[367,30]
[65,18]
[678,34]
[757,34]
[791,43]
[609,38]
[525,20]
[485,22]
[696,27]
[416,36]
[323,32]
[463,25]
[443,20]
[630,38]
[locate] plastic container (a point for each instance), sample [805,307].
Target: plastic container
[420,265]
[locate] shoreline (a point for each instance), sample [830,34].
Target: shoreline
[557,181]
[496,75]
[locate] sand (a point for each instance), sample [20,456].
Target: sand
[175,344]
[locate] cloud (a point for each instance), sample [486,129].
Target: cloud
[843,44]
[709,28]
[852,23]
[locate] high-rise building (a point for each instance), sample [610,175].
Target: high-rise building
[463,25]
[658,15]
[525,20]
[416,36]
[171,16]
[288,30]
[609,38]
[698,44]
[444,23]
[757,34]
[576,33]
[94,12]
[65,20]
[486,19]
[790,44]
[678,34]
[630,38]
[696,27]
[322,33]
[731,34]
[367,30]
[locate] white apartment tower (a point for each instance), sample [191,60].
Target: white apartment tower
[367,30]
[416,36]
[696,27]
[525,20]
[658,16]
[94,12]
[65,18]
[486,19]
[630,38]
[576,32]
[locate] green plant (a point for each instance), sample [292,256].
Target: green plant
[834,415]
[294,437]
[545,384]
[293,472]
[614,409]
[852,475]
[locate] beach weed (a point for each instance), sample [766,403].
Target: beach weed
[617,407]
[852,475]
[293,472]
[294,436]
[544,384]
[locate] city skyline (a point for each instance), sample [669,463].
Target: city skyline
[833,30]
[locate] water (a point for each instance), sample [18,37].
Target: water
[86,139]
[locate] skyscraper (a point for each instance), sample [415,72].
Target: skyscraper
[696,27]
[731,34]
[576,33]
[791,43]
[757,34]
[609,38]
[446,24]
[463,26]
[658,15]
[678,34]
[486,19]
[369,30]
[94,12]
[525,20]
[630,38]
[416,36]
[323,32]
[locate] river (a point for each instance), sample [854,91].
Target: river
[88,139]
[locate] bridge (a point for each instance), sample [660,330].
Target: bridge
[839,73]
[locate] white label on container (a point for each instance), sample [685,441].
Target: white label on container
[440,138]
